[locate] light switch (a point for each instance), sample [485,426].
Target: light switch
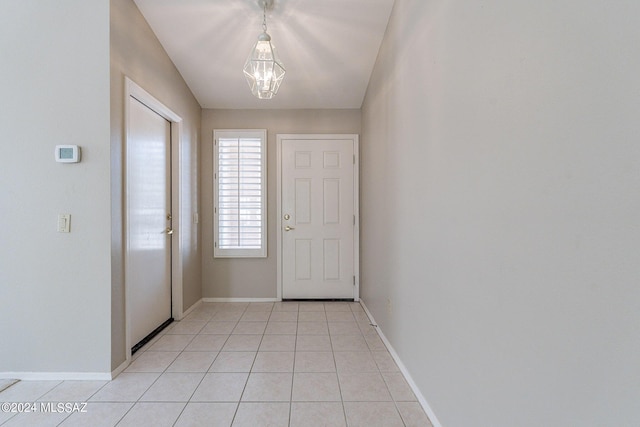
[64,223]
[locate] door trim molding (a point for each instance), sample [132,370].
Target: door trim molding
[356,204]
[135,91]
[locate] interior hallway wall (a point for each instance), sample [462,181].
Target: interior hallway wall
[137,54]
[500,208]
[255,277]
[54,287]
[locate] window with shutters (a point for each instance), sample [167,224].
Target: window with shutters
[240,193]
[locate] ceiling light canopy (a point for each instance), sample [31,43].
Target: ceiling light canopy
[264,70]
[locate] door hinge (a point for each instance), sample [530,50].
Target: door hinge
[354,280]
[354,159]
[354,220]
[215,244]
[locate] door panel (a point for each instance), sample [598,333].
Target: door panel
[331,202]
[303,201]
[148,209]
[331,259]
[303,259]
[317,188]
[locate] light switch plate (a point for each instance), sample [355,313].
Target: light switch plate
[64,223]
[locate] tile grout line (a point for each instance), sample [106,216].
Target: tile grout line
[245,384]
[162,373]
[333,354]
[293,368]
[159,376]
[250,370]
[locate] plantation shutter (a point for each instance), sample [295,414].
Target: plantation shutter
[240,205]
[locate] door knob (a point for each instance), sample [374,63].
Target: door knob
[169,230]
[287,228]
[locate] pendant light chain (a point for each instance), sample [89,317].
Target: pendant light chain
[264,16]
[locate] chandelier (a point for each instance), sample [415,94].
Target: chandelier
[263,69]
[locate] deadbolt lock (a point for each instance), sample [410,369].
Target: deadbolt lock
[287,217]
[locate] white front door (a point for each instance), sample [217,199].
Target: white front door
[148,187]
[318,216]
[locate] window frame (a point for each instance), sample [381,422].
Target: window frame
[240,252]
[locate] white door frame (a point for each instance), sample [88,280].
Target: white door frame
[137,92]
[356,204]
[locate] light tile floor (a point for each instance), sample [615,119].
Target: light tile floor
[243,364]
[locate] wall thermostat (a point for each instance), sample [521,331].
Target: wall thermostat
[67,153]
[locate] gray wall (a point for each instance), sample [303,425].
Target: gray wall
[54,287]
[137,54]
[500,208]
[255,278]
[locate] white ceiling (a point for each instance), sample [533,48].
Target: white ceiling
[328,48]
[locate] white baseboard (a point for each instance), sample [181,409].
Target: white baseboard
[190,309]
[240,300]
[59,376]
[120,368]
[403,369]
